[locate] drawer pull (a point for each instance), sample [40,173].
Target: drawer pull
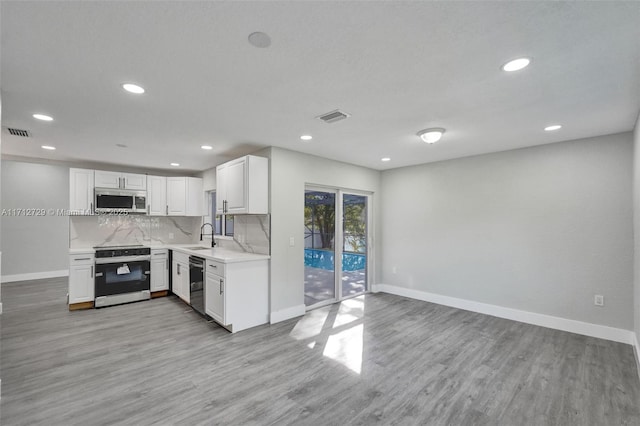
[82,258]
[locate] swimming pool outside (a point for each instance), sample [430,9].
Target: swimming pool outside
[324,259]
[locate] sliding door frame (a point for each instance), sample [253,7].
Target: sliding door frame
[339,241]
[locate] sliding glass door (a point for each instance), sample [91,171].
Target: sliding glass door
[319,246]
[354,244]
[336,227]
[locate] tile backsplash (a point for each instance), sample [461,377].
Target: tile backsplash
[251,232]
[100,230]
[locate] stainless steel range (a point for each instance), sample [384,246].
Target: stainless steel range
[122,274]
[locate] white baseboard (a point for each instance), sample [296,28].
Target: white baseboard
[35,276]
[288,313]
[564,324]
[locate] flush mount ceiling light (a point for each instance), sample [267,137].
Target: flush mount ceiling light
[552,128]
[121,145]
[133,88]
[50,148]
[259,39]
[207,147]
[42,117]
[385,159]
[516,64]
[306,137]
[175,164]
[431,135]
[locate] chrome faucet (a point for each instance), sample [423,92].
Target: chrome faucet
[213,241]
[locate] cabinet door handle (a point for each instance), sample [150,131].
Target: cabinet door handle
[167,210]
[178,269]
[148,208]
[82,258]
[91,271]
[91,208]
[221,284]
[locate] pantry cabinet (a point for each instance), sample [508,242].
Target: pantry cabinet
[243,186]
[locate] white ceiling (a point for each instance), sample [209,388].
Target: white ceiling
[397,67]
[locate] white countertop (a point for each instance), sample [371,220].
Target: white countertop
[218,254]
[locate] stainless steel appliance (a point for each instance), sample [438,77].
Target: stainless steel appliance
[196,283]
[122,275]
[120,201]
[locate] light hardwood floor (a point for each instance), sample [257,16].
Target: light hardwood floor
[377,359]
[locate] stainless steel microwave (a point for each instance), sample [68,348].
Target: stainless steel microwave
[120,201]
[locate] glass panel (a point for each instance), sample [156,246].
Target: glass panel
[228,226]
[354,248]
[319,250]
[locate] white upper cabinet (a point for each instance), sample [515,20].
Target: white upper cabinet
[81,190]
[243,186]
[156,195]
[117,180]
[184,196]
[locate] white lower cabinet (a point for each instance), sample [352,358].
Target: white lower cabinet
[159,270]
[81,278]
[237,293]
[180,276]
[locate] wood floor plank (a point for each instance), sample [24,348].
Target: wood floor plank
[377,359]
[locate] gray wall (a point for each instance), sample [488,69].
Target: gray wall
[540,229]
[34,243]
[289,172]
[636,227]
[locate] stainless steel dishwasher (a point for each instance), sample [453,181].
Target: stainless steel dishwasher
[196,283]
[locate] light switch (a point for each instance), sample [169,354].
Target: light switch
[291,242]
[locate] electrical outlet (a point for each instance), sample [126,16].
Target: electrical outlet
[171,235]
[598,300]
[292,242]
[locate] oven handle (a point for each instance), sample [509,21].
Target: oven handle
[123,259]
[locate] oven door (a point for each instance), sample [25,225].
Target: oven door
[122,277]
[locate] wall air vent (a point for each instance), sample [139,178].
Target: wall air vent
[18,132]
[333,116]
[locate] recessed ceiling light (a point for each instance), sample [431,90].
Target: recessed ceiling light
[552,128]
[306,137]
[431,135]
[206,147]
[133,88]
[43,117]
[50,148]
[385,159]
[175,164]
[516,64]
[259,39]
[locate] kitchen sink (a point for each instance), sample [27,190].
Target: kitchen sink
[197,248]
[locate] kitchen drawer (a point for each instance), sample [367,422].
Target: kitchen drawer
[81,258]
[180,257]
[215,267]
[159,253]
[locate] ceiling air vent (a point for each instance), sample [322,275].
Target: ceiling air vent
[18,132]
[333,116]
